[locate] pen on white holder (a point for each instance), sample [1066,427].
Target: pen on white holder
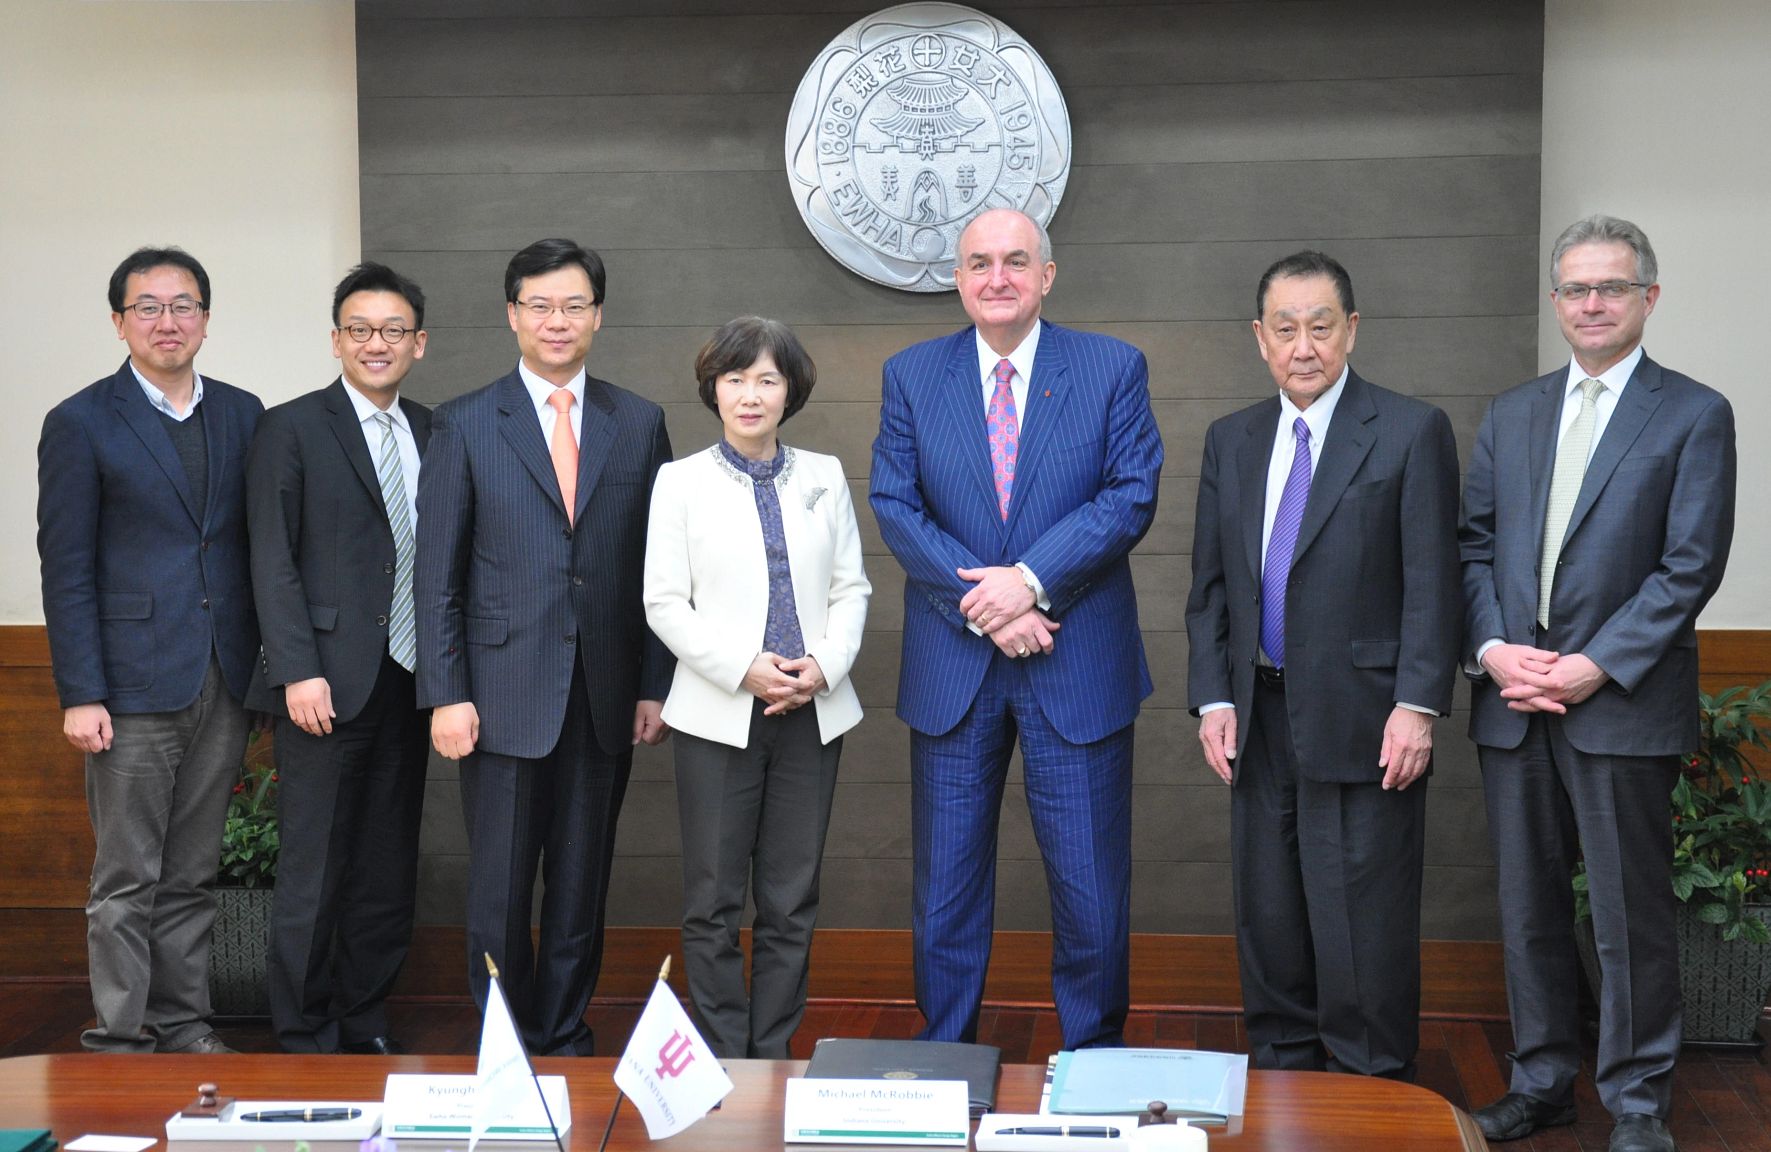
[303,1115]
[1064,1130]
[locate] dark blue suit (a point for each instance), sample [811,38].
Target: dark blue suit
[1084,494]
[120,543]
[539,622]
[148,601]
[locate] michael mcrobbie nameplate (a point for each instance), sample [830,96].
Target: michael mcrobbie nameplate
[911,122]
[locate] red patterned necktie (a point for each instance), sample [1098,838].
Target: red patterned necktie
[1005,435]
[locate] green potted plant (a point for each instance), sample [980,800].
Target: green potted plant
[249,848]
[1721,814]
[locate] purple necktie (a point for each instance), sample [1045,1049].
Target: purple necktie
[1005,435]
[1281,543]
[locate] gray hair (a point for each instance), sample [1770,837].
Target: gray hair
[1045,239]
[1601,229]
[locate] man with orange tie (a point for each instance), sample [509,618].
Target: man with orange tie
[532,642]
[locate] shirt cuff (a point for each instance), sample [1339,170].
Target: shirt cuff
[1417,708]
[1033,584]
[1477,668]
[1219,706]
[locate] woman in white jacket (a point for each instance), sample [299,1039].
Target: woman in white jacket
[754,580]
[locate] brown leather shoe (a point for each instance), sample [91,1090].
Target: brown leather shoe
[1515,1115]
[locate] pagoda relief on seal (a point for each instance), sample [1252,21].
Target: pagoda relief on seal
[910,123]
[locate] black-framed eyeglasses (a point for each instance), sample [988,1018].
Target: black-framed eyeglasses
[542,309]
[182,308]
[1609,290]
[392,332]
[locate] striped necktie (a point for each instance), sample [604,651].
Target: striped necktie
[402,635]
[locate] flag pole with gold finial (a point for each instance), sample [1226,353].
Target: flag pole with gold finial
[492,971]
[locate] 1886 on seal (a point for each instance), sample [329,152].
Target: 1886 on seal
[910,123]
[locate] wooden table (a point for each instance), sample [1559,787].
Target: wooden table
[75,1094]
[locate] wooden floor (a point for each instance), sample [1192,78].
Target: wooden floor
[1722,1102]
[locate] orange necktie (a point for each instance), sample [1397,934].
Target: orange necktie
[565,449]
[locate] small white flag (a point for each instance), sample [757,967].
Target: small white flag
[504,1082]
[668,1071]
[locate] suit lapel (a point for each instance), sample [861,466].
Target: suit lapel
[1634,409]
[418,419]
[962,397]
[1051,384]
[1349,440]
[1251,470]
[521,429]
[596,434]
[342,415]
[1546,420]
[144,421]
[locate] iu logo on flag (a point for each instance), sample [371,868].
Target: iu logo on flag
[676,1055]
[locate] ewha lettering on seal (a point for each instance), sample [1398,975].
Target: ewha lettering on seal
[911,122]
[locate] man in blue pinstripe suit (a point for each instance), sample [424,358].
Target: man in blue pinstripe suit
[1015,468]
[532,639]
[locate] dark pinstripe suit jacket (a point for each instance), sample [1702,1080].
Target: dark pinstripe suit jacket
[1085,493]
[509,594]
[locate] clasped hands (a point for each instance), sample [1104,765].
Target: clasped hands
[1000,605]
[781,683]
[1534,680]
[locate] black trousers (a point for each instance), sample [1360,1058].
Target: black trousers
[1327,883]
[349,805]
[556,812]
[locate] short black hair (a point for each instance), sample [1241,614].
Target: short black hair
[372,277]
[742,342]
[146,259]
[1305,264]
[547,255]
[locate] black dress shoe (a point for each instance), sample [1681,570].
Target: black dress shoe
[374,1046]
[1640,1132]
[1515,1115]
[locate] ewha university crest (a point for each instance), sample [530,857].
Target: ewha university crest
[911,122]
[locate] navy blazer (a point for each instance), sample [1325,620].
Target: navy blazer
[510,595]
[1644,552]
[1371,607]
[1086,476]
[322,549]
[140,586]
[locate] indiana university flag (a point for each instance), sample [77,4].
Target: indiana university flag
[503,1083]
[668,1071]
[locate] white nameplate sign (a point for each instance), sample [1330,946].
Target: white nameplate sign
[877,1112]
[442,1108]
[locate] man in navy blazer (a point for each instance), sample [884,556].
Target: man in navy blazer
[141,527]
[532,640]
[1322,642]
[1598,514]
[1016,467]
[330,482]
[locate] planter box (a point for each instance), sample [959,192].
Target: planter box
[238,952]
[1723,983]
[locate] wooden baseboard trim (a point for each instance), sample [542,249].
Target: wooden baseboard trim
[1459,979]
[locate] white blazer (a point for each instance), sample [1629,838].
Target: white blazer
[707,587]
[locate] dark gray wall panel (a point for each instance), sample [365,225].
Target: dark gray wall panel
[1210,139]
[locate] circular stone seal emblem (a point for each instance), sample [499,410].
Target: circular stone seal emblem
[910,123]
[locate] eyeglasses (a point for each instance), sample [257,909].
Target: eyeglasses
[542,309]
[1610,290]
[183,308]
[392,332]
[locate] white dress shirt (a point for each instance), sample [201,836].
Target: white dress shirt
[403,439]
[540,390]
[158,398]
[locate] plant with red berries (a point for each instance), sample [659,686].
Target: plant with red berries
[249,841]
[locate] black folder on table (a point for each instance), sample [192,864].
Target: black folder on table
[976,1064]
